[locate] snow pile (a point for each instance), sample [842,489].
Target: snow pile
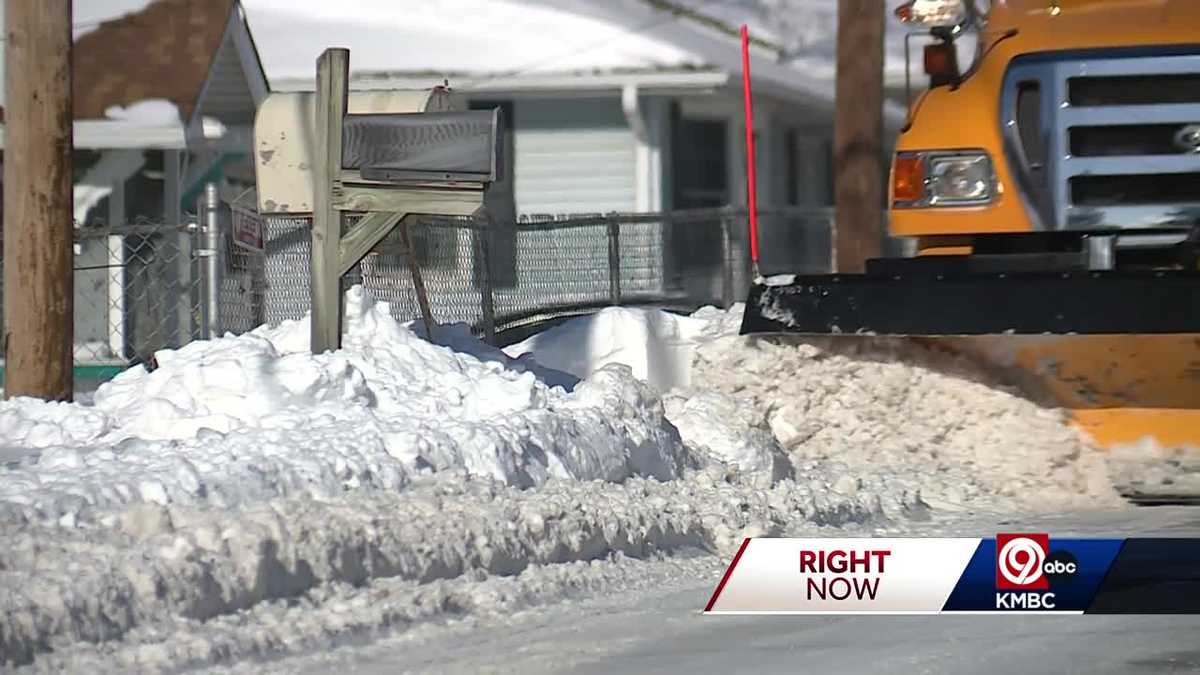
[247,497]
[167,580]
[248,418]
[184,516]
[458,337]
[657,345]
[31,423]
[912,418]
[917,418]
[1147,468]
[720,429]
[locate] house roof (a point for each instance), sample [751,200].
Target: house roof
[804,33]
[162,52]
[145,72]
[442,37]
[516,46]
[126,51]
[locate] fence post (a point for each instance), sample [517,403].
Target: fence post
[483,265]
[726,260]
[185,261]
[208,213]
[614,261]
[116,272]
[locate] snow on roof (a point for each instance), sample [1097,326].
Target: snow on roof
[148,111]
[141,67]
[451,37]
[129,51]
[806,30]
[519,45]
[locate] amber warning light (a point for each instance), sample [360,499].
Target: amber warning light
[908,179]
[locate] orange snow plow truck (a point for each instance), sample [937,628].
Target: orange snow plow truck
[1051,194]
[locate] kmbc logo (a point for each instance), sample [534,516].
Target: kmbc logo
[1027,571]
[1021,562]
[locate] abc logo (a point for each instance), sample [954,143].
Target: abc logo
[1060,567]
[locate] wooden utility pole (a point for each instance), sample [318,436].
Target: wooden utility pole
[38,219]
[858,135]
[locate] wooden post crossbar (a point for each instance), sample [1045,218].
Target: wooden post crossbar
[385,176]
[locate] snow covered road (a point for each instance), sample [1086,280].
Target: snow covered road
[661,631]
[248,501]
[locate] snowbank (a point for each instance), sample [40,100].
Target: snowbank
[1149,469]
[247,498]
[659,347]
[244,419]
[656,345]
[166,580]
[721,429]
[918,420]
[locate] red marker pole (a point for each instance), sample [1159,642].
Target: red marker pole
[751,182]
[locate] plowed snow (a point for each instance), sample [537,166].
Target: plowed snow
[250,499]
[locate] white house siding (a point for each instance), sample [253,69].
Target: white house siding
[573,156]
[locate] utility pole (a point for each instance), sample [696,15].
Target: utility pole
[858,135]
[38,219]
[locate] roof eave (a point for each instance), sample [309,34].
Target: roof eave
[649,81]
[118,134]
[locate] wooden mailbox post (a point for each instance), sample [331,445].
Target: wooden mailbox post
[378,162]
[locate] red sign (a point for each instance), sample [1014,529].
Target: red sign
[248,233]
[1021,560]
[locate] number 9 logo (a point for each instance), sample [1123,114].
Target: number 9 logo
[1021,561]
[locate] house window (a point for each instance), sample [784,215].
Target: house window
[700,164]
[700,171]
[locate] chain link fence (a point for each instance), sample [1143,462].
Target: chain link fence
[501,278]
[136,292]
[143,287]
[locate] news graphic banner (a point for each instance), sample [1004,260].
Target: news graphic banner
[1009,573]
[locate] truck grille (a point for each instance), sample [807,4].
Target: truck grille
[1124,140]
[1134,89]
[1120,138]
[1175,188]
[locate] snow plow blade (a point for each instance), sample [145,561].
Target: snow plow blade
[1119,351]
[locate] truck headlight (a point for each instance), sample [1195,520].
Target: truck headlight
[942,178]
[961,178]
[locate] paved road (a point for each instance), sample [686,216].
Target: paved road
[663,632]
